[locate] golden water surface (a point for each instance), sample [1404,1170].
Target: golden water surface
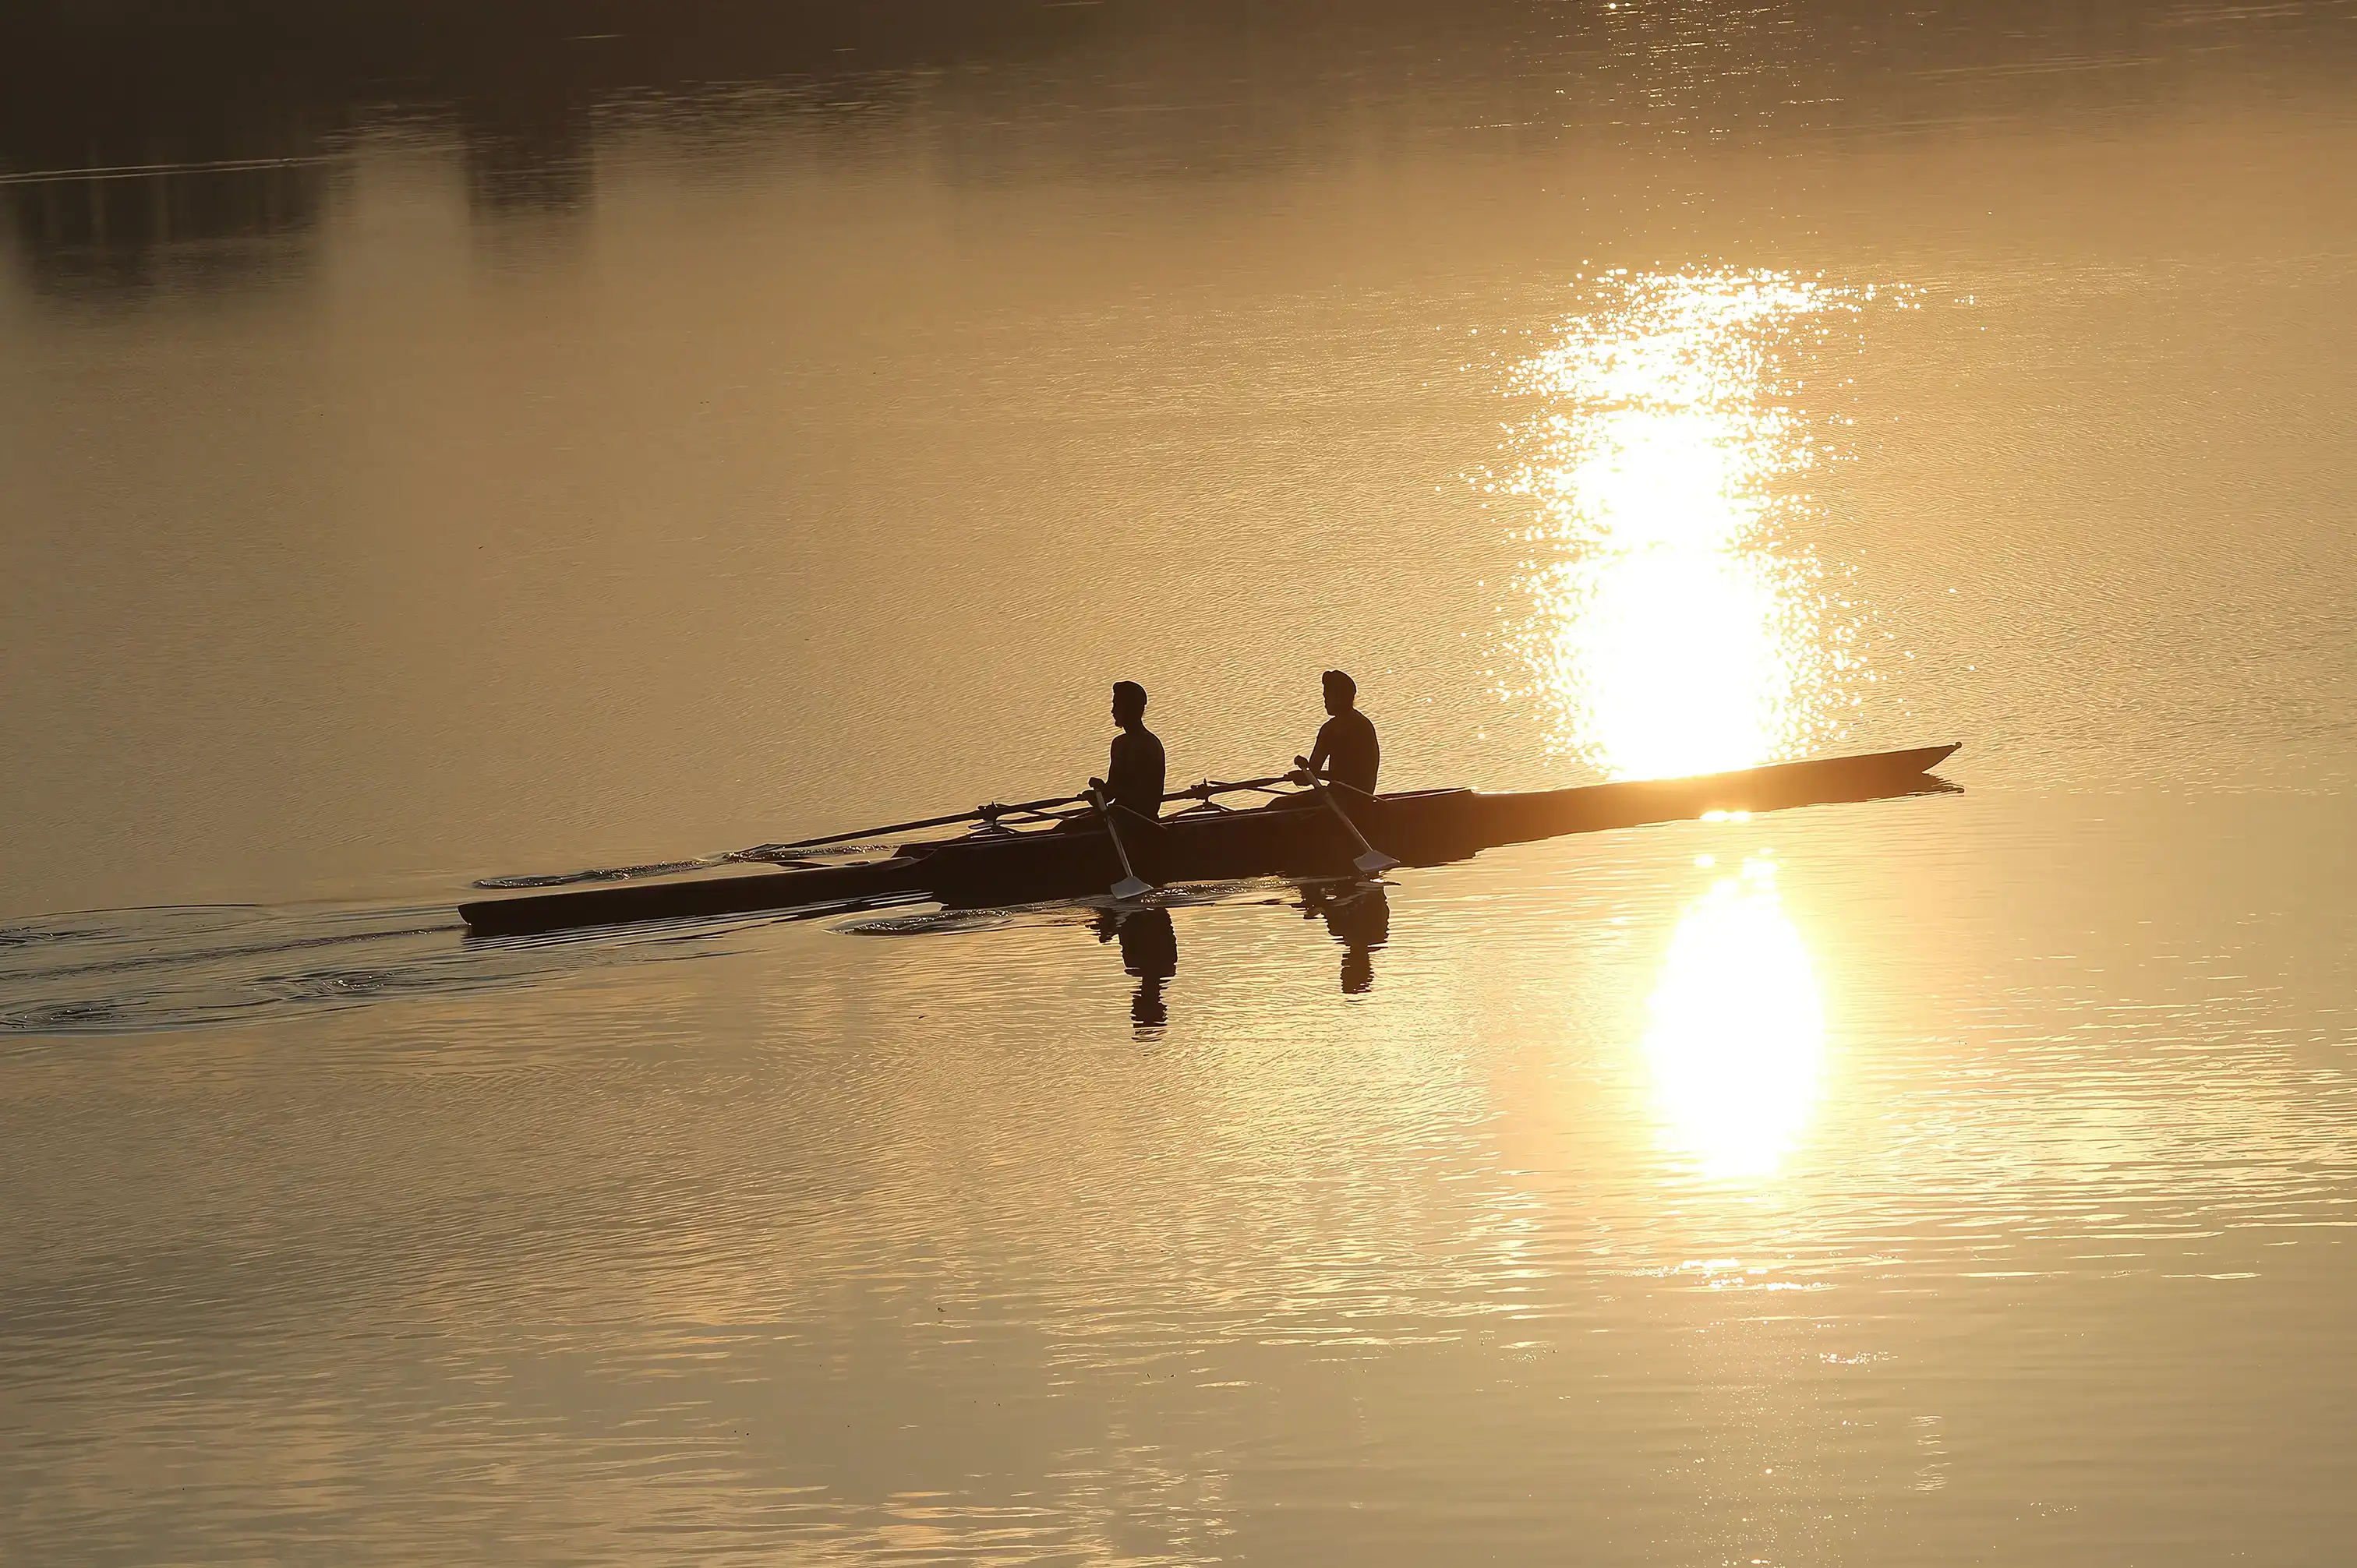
[442,442]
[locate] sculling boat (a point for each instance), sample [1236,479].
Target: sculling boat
[1297,835]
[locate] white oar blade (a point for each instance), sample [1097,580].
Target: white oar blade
[1131,888]
[1374,862]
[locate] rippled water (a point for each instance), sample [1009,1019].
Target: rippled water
[1858,1209]
[455,445]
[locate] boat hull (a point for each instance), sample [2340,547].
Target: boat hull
[1431,827]
[630,902]
[1297,837]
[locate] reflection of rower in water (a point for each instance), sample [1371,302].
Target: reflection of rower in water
[1149,950]
[1347,754]
[1359,915]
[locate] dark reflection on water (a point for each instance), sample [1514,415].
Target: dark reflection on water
[130,132]
[1359,915]
[220,225]
[1149,950]
[128,129]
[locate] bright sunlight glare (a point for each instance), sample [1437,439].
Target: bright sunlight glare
[1670,633]
[1736,1040]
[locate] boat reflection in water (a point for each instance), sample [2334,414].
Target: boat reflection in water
[1737,1037]
[1149,950]
[1359,915]
[1674,630]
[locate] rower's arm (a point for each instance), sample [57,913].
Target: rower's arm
[1323,752]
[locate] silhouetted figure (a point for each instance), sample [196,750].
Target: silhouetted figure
[1359,915]
[1133,777]
[1347,752]
[1149,950]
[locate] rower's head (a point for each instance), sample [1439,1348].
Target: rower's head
[1128,703]
[1341,692]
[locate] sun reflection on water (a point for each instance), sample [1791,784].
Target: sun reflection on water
[1672,631]
[1736,1040]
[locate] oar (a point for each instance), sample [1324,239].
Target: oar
[1371,860]
[1203,791]
[979,814]
[1131,884]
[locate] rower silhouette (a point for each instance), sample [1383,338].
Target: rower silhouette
[1347,753]
[1149,950]
[1133,776]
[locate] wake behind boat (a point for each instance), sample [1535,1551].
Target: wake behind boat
[1062,853]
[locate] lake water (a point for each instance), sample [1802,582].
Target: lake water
[445,441]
